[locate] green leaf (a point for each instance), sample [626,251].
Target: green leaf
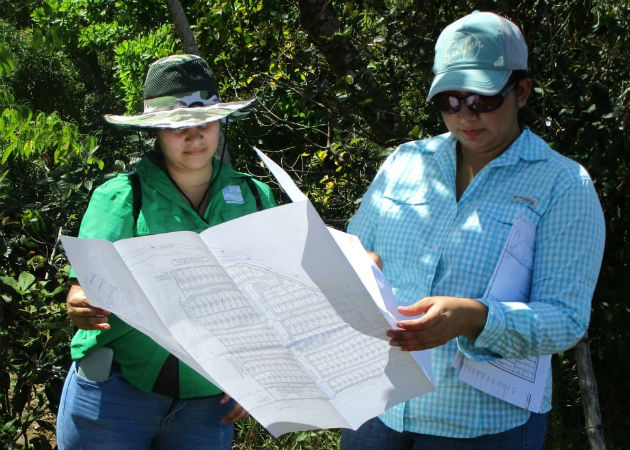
[38,39]
[591,108]
[25,280]
[21,285]
[9,281]
[9,425]
[6,62]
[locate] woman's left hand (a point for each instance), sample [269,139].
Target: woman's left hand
[444,318]
[237,413]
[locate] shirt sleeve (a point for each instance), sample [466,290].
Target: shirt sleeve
[109,214]
[363,223]
[568,253]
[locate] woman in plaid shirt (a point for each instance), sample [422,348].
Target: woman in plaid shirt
[438,215]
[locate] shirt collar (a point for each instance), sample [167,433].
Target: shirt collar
[154,175]
[527,147]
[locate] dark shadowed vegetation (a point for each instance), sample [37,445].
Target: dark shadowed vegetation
[340,83]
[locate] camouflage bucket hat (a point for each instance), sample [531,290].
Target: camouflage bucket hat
[179,92]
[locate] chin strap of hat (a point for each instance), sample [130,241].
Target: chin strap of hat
[223,149]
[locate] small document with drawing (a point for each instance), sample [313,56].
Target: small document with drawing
[281,312]
[517,381]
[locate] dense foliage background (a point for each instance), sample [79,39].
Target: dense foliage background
[340,83]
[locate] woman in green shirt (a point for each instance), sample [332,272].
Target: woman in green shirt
[124,390]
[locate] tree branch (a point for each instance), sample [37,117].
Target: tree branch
[590,398]
[320,22]
[178,17]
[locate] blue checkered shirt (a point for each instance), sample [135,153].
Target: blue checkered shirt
[432,244]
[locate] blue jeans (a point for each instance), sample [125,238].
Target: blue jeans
[114,414]
[374,434]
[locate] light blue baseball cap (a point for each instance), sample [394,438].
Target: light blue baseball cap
[477,53]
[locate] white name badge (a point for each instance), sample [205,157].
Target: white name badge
[232,194]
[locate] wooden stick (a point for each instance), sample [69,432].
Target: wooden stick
[590,399]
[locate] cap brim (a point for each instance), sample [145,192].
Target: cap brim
[181,117]
[485,82]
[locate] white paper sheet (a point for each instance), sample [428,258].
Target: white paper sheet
[380,290]
[519,382]
[271,307]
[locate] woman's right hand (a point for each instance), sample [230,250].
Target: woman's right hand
[84,315]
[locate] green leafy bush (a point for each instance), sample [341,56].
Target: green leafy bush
[63,63]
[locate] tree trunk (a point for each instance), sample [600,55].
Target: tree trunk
[178,17]
[320,22]
[590,400]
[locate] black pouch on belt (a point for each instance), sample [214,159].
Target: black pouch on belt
[167,382]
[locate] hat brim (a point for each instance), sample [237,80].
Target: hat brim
[484,82]
[181,117]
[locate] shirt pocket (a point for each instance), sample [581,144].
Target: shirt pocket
[231,211]
[404,232]
[506,213]
[495,223]
[235,200]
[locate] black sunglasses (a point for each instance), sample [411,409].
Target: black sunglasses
[477,103]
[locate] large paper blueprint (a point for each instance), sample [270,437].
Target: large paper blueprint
[517,381]
[281,312]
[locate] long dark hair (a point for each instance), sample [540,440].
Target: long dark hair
[525,115]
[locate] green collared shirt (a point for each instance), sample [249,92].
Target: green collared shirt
[109,216]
